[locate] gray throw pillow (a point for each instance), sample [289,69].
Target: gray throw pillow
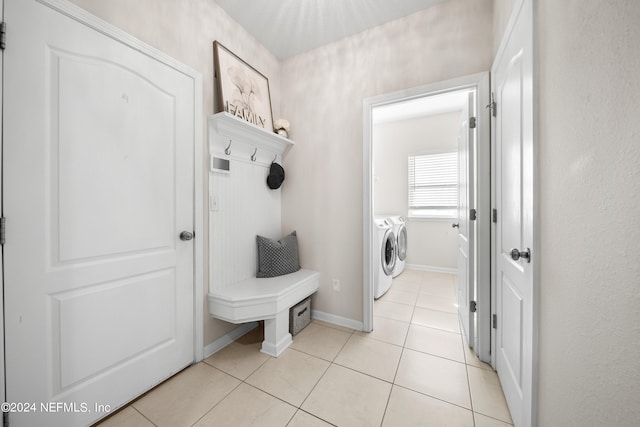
[277,257]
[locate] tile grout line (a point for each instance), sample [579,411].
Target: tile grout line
[322,376]
[393,382]
[395,375]
[313,415]
[333,362]
[242,381]
[141,414]
[314,386]
[466,369]
[220,401]
[317,382]
[297,408]
[435,398]
[493,418]
[386,406]
[311,391]
[419,392]
[239,379]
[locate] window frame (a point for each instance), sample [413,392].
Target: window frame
[435,212]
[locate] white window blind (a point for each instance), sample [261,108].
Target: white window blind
[433,185]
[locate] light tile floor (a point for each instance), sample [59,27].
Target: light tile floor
[412,370]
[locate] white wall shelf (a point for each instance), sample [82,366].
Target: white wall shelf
[230,128]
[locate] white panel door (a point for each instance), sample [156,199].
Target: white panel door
[466,227]
[2,380]
[512,82]
[99,184]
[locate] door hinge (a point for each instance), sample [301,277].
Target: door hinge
[3,225]
[3,35]
[472,215]
[494,216]
[492,105]
[494,321]
[472,306]
[472,122]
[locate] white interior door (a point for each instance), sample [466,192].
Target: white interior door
[99,183]
[466,226]
[2,380]
[514,257]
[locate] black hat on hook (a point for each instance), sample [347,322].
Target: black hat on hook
[276,176]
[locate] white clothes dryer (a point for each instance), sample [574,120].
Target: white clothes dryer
[400,230]
[384,258]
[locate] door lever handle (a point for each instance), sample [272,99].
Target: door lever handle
[516,254]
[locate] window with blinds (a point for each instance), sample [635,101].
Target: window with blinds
[433,185]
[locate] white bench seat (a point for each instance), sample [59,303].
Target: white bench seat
[267,299]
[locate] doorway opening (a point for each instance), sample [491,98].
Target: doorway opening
[403,132]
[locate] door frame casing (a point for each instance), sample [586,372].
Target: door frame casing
[68,9]
[479,81]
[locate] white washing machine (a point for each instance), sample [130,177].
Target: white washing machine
[400,230]
[384,258]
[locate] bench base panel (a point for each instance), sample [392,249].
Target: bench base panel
[276,334]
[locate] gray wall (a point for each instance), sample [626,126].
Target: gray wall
[589,189]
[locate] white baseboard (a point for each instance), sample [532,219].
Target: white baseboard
[227,339]
[336,320]
[431,268]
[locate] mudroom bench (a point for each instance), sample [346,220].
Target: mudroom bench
[267,299]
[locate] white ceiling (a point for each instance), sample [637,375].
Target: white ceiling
[290,27]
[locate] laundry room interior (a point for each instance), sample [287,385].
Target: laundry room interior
[428,125]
